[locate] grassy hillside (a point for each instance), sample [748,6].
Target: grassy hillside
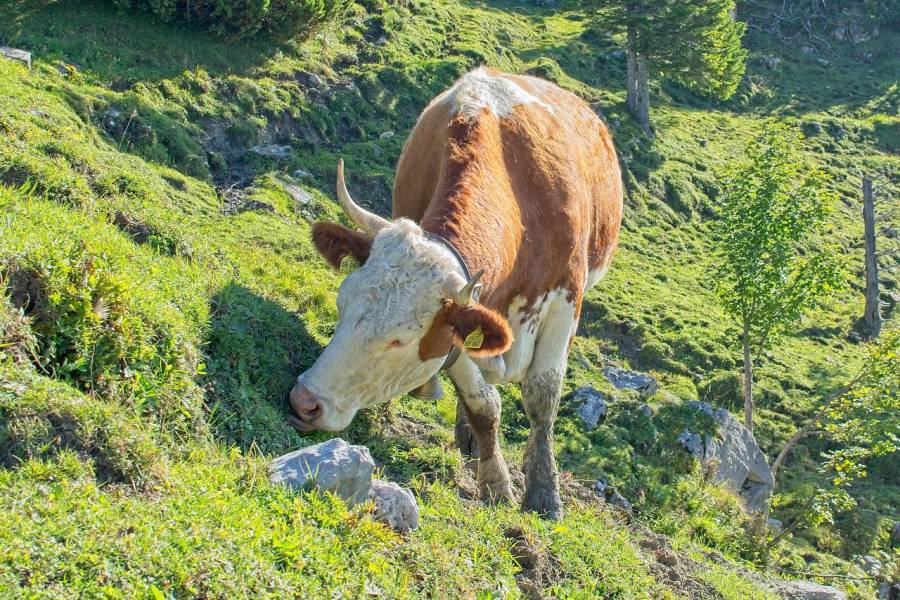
[161,294]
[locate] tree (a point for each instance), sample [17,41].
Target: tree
[872,216]
[860,421]
[694,42]
[771,208]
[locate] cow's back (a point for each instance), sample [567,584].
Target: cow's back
[550,170]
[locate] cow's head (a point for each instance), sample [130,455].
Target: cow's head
[400,314]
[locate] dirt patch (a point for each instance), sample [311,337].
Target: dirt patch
[539,568]
[671,568]
[25,288]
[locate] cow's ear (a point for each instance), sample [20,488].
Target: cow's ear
[479,330]
[335,242]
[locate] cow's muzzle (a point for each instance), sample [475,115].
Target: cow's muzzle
[307,409]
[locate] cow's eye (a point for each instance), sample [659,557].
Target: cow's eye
[396,344]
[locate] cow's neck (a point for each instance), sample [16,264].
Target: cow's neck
[472,209]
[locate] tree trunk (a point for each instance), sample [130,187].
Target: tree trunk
[748,379]
[643,93]
[631,70]
[788,446]
[872,316]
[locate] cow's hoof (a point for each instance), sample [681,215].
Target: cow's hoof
[465,440]
[493,481]
[545,502]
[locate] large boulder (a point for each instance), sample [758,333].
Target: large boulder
[395,506]
[334,466]
[738,462]
[806,590]
[592,406]
[624,379]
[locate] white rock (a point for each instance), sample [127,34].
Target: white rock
[806,590]
[624,379]
[395,506]
[333,466]
[592,407]
[273,150]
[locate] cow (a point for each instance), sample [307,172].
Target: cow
[507,204]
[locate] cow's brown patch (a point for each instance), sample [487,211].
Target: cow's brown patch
[334,242]
[453,323]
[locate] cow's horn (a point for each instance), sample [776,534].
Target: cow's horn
[365,220]
[464,296]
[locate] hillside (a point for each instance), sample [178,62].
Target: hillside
[157,188]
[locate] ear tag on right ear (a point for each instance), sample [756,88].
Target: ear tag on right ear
[475,339]
[349,264]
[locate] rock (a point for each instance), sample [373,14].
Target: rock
[774,525]
[771,62]
[823,62]
[806,590]
[840,33]
[16,54]
[395,506]
[631,380]
[592,406]
[386,135]
[871,565]
[808,50]
[854,338]
[692,442]
[740,464]
[612,496]
[273,150]
[299,195]
[890,232]
[618,53]
[868,58]
[301,174]
[333,466]
[884,591]
[895,535]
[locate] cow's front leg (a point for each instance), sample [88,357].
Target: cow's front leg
[540,397]
[481,404]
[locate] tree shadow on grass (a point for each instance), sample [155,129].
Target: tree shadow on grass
[123,48]
[255,350]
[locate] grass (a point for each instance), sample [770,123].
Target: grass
[163,294]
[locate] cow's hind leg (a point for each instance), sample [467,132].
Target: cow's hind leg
[540,397]
[481,404]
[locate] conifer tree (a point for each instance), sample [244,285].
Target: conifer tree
[694,42]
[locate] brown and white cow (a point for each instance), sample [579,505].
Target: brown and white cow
[505,174]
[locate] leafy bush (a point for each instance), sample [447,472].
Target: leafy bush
[242,17]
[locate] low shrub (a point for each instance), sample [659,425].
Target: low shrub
[240,18]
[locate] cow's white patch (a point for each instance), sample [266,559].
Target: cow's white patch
[393,296]
[530,324]
[479,89]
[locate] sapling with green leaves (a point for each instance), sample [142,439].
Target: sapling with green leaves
[694,42]
[860,421]
[771,211]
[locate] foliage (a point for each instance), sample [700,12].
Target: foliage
[243,17]
[695,43]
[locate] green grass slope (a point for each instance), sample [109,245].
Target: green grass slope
[161,294]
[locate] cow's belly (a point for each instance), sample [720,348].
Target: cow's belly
[527,324]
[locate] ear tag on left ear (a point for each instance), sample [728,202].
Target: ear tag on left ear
[475,339]
[349,264]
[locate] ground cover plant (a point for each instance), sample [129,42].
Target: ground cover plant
[160,294]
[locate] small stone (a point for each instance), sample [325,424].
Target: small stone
[619,501]
[871,565]
[806,590]
[301,174]
[299,195]
[868,58]
[884,591]
[618,53]
[823,62]
[601,486]
[808,50]
[273,150]
[771,62]
[774,525]
[692,442]
[16,54]
[395,506]
[334,466]
[592,406]
[386,135]
[623,379]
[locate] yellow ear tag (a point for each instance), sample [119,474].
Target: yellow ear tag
[349,264]
[475,339]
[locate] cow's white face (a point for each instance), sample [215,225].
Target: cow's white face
[386,308]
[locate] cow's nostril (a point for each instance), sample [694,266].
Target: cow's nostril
[304,404]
